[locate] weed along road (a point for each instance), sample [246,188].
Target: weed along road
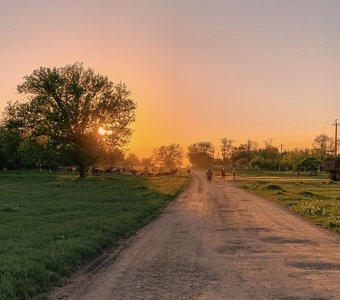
[216,241]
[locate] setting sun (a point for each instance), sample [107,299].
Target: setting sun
[101,130]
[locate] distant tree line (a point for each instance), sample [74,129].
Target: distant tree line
[247,156]
[75,117]
[269,157]
[21,149]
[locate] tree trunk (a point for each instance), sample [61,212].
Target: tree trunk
[82,171]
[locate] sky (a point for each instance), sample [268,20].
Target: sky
[198,70]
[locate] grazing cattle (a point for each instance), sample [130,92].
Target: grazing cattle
[163,174]
[95,171]
[132,171]
[173,172]
[146,172]
[71,169]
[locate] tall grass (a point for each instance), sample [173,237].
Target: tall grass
[316,198]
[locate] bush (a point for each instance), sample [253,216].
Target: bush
[273,187]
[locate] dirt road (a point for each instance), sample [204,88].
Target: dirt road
[217,241]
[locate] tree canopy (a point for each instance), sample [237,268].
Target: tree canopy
[311,164]
[323,145]
[169,156]
[68,106]
[226,149]
[201,154]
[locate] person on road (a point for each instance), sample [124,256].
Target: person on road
[209,175]
[233,171]
[223,173]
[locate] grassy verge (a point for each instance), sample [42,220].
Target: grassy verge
[316,198]
[49,224]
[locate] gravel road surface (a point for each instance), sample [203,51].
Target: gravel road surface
[216,241]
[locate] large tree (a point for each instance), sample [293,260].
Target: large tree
[291,158]
[323,145]
[201,154]
[311,164]
[169,156]
[132,160]
[243,154]
[69,105]
[226,149]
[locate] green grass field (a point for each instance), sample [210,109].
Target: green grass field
[316,198]
[50,224]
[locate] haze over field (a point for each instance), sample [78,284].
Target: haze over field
[199,70]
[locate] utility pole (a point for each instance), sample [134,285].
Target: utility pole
[336,123]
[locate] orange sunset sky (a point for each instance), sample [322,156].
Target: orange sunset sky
[199,70]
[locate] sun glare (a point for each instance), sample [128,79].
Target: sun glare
[101,131]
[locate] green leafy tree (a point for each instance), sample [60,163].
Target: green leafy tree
[269,151]
[243,154]
[10,140]
[239,155]
[170,156]
[111,157]
[226,149]
[265,158]
[323,146]
[311,164]
[260,162]
[37,152]
[291,158]
[146,162]
[132,160]
[201,154]
[69,105]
